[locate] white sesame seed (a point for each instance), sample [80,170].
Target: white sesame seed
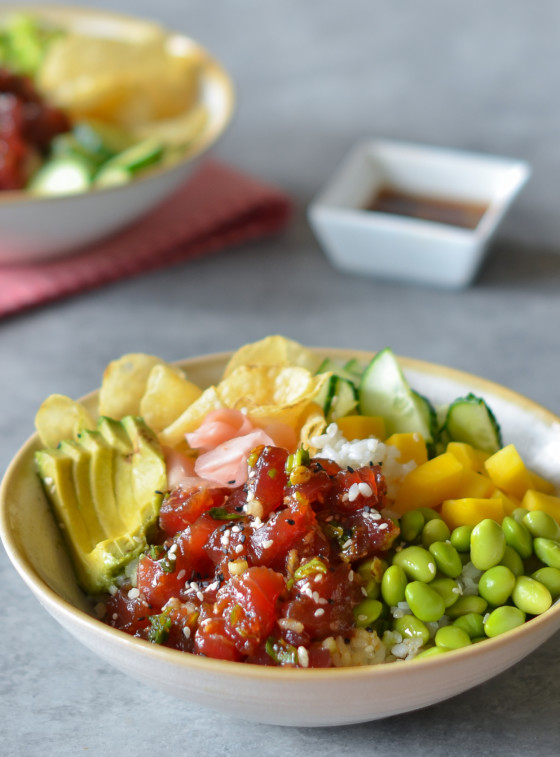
[172,549]
[303,657]
[365,489]
[318,578]
[351,575]
[194,585]
[115,615]
[239,548]
[319,612]
[187,632]
[383,526]
[200,595]
[181,574]
[213,586]
[347,544]
[267,544]
[133,593]
[362,618]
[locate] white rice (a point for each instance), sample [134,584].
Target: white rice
[359,452]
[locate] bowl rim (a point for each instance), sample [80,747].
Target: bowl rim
[213,69]
[186,661]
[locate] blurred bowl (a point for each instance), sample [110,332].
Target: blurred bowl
[296,697]
[39,228]
[358,238]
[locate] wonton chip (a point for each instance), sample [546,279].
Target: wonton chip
[124,383]
[60,418]
[313,424]
[271,393]
[174,434]
[273,350]
[167,395]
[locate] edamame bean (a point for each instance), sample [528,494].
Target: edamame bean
[430,652]
[367,612]
[429,514]
[393,585]
[548,551]
[513,561]
[488,544]
[447,558]
[542,524]
[417,563]
[452,637]
[372,589]
[531,596]
[411,627]
[518,536]
[467,604]
[411,525]
[503,619]
[424,602]
[496,585]
[448,589]
[550,577]
[461,538]
[519,513]
[472,623]
[435,530]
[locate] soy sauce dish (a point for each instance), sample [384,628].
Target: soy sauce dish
[414,213]
[275,695]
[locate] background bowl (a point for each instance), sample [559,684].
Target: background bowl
[294,697]
[38,228]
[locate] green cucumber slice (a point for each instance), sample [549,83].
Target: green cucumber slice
[470,420]
[330,366]
[60,176]
[385,391]
[337,398]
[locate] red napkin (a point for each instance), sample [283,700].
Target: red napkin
[218,207]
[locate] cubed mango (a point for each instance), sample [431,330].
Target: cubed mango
[442,477]
[411,446]
[469,511]
[508,472]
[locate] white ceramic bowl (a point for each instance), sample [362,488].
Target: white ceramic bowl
[36,229]
[294,697]
[413,250]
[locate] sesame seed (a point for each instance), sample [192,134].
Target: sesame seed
[200,595]
[303,657]
[239,548]
[134,593]
[362,618]
[319,612]
[268,543]
[181,574]
[187,632]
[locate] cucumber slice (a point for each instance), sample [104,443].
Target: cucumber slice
[469,419]
[385,391]
[354,367]
[330,366]
[60,176]
[344,400]
[337,398]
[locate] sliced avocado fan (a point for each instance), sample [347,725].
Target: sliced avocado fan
[105,489]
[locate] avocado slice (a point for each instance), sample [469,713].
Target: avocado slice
[105,489]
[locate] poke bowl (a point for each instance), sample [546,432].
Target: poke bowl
[117,112]
[294,694]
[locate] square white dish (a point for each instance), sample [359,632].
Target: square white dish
[389,246]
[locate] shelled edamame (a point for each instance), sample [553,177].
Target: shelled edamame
[441,589]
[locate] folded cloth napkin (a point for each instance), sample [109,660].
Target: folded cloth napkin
[218,207]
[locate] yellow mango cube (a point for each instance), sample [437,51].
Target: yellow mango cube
[442,477]
[476,485]
[411,446]
[534,500]
[469,456]
[541,484]
[469,511]
[508,472]
[510,503]
[362,427]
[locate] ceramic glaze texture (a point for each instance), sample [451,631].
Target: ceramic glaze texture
[295,697]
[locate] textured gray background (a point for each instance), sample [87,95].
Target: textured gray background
[312,78]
